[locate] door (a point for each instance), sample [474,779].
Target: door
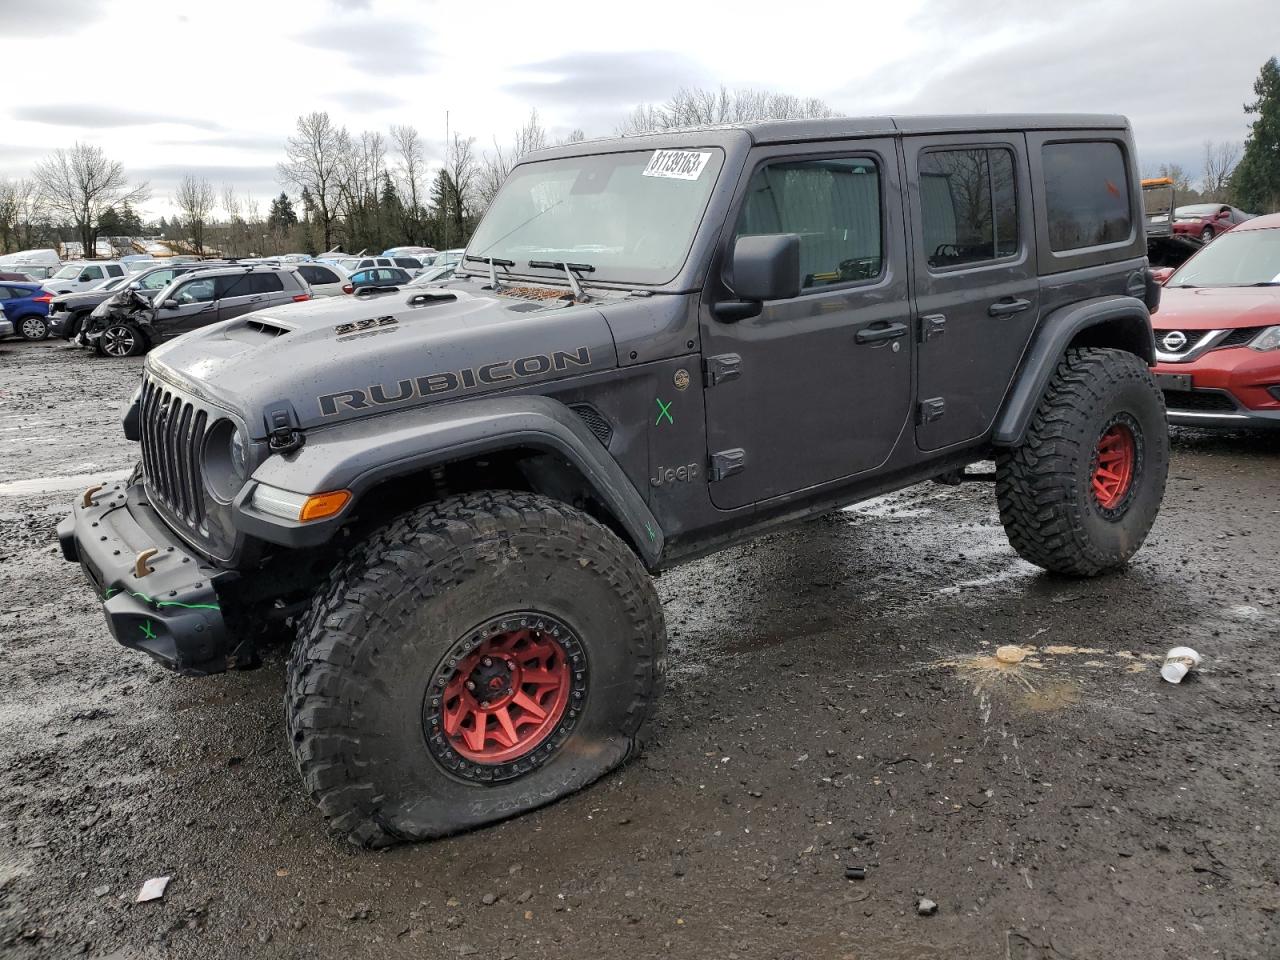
[241,293]
[88,277]
[818,387]
[976,287]
[195,306]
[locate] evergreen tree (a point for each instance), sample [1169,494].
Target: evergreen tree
[1255,185]
[282,215]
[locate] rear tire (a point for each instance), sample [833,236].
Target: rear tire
[33,328]
[1206,234]
[1080,494]
[378,669]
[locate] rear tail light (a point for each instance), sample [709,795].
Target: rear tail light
[43,298]
[301,297]
[348,288]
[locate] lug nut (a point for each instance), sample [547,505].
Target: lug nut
[470,685]
[488,661]
[511,665]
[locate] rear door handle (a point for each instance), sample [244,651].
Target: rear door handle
[879,334]
[1008,307]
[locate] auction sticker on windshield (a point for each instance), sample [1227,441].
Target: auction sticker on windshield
[677,164]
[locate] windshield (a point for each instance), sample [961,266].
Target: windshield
[1235,259]
[1198,210]
[67,272]
[631,216]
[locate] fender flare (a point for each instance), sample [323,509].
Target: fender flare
[1122,322]
[360,454]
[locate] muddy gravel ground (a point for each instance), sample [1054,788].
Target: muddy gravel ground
[832,702]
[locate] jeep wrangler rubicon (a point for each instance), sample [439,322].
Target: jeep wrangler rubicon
[655,347]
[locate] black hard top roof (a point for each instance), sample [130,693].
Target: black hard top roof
[840,128]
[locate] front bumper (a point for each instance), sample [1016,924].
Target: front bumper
[6,328]
[1230,387]
[172,613]
[64,324]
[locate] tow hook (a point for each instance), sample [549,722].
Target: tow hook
[87,502]
[140,568]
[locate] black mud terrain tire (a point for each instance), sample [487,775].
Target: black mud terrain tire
[1079,495]
[420,599]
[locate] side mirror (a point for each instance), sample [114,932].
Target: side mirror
[135,285]
[765,267]
[1161,275]
[84,277]
[170,305]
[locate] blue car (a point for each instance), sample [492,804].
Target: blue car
[26,305]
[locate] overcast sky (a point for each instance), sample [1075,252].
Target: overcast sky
[215,88]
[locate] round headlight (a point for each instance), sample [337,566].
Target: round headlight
[225,460]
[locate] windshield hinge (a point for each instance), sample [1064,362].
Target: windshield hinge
[284,435]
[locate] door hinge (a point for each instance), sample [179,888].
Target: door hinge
[726,463]
[930,410]
[715,370]
[932,325]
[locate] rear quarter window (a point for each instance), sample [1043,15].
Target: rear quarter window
[1086,187]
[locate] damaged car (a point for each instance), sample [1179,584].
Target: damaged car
[132,324]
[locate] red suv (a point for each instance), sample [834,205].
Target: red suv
[1204,221]
[1218,331]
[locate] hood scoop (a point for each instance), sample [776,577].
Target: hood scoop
[267,328]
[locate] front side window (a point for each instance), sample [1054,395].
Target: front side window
[630,217]
[195,291]
[968,206]
[408,263]
[114,271]
[834,206]
[91,273]
[1086,187]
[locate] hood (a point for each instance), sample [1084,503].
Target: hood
[1217,308]
[340,358]
[88,298]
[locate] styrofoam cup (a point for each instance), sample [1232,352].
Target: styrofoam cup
[1178,662]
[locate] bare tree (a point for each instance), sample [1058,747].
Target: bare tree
[462,172]
[1220,161]
[314,163]
[1181,179]
[699,107]
[495,167]
[23,214]
[195,200]
[409,173]
[80,184]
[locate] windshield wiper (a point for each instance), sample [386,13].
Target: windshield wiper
[568,269]
[493,276]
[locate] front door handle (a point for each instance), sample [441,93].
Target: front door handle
[879,334]
[1008,307]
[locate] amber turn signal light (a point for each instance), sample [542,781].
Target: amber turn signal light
[321,505]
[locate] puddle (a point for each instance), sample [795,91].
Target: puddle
[79,481]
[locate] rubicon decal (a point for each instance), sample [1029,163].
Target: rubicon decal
[451,381]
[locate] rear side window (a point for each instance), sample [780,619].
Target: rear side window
[265,283]
[834,206]
[1086,188]
[318,274]
[968,206]
[4,293]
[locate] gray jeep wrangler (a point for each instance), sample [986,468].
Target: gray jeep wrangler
[655,347]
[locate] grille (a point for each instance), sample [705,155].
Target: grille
[1192,338]
[595,421]
[1198,401]
[1240,336]
[173,431]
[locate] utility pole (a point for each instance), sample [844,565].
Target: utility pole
[444,213]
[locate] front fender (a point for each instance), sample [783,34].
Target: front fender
[1113,321]
[361,454]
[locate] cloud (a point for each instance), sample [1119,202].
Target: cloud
[48,18]
[366,100]
[378,47]
[260,142]
[601,89]
[99,117]
[164,179]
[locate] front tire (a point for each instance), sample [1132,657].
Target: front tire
[1206,234]
[122,339]
[1081,492]
[33,328]
[472,660]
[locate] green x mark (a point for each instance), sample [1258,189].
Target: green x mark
[664,410]
[147,631]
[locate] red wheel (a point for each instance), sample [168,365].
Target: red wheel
[506,697]
[1114,465]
